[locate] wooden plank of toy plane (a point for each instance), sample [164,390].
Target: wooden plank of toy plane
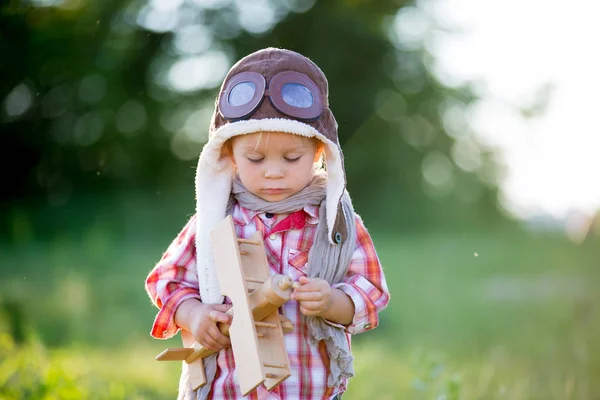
[273,354]
[228,265]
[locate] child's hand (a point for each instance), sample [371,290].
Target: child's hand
[314,296]
[203,325]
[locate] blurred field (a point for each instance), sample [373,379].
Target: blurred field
[498,314]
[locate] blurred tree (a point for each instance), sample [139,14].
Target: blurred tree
[100,95]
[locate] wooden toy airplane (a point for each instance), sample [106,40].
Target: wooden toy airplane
[257,328]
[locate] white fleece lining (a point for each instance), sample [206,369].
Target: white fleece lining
[214,176]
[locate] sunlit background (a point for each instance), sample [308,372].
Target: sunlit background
[471,149]
[533,64]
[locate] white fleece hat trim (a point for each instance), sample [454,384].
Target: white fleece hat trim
[214,177]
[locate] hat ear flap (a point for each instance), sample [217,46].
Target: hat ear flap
[339,234]
[214,176]
[336,187]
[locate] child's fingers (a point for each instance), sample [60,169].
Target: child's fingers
[208,343]
[307,296]
[222,307]
[213,339]
[306,284]
[303,280]
[218,313]
[221,340]
[310,308]
[216,342]
[217,316]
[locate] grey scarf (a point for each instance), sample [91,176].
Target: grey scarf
[325,261]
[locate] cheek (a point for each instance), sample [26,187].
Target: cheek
[247,170]
[305,172]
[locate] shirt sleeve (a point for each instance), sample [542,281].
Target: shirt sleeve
[173,280]
[365,283]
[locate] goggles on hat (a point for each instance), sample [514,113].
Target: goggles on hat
[290,92]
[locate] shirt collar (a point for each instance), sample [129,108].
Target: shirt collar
[243,216]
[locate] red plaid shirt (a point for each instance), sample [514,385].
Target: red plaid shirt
[174,279]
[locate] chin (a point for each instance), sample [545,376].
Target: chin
[275,198]
[272,198]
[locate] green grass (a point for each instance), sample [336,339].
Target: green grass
[488,315]
[474,315]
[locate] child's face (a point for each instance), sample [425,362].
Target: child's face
[274,165]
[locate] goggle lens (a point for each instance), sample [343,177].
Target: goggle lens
[241,93]
[297,95]
[290,92]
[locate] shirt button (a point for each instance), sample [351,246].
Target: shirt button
[367,325]
[269,215]
[273,237]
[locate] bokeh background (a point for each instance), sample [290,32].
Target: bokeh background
[105,107]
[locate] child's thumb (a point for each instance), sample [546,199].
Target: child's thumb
[218,313]
[303,280]
[222,307]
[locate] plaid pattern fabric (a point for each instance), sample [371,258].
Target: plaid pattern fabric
[174,279]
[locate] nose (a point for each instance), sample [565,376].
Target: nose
[274,170]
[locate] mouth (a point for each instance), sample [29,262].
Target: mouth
[273,191]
